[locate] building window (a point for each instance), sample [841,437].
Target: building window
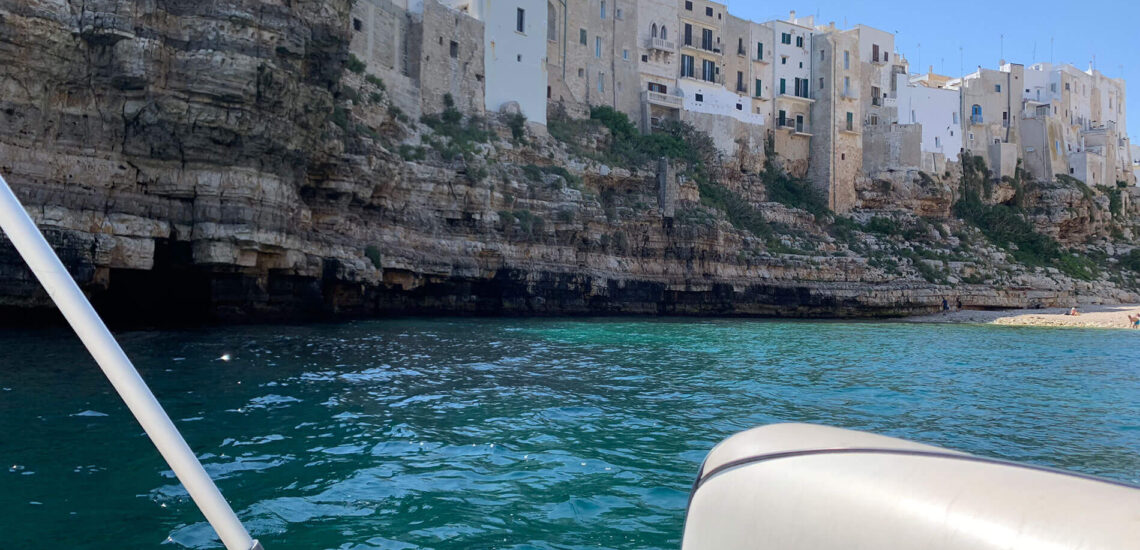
[937,141]
[740,87]
[821,55]
[954,115]
[689,6]
[659,88]
[997,88]
[518,58]
[688,34]
[785,38]
[821,83]
[582,36]
[602,13]
[708,11]
[850,121]
[357,25]
[617,14]
[625,55]
[597,46]
[783,86]
[739,107]
[759,88]
[520,20]
[686,66]
[454,49]
[601,82]
[700,98]
[664,33]
[706,39]
[653,30]
[741,51]
[760,51]
[913,118]
[847,86]
[782,119]
[783,60]
[799,41]
[874,120]
[800,123]
[645,59]
[581,73]
[842,156]
[976,114]
[875,96]
[846,59]
[708,68]
[551,23]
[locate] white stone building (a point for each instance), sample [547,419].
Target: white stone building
[938,111]
[515,53]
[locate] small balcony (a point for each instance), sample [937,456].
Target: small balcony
[664,100]
[795,98]
[976,119]
[661,45]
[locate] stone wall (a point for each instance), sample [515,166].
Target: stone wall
[452,59]
[387,38]
[892,147]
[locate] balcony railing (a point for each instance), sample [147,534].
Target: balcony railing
[976,119]
[876,101]
[661,45]
[665,100]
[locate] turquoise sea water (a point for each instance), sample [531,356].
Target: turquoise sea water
[516,433]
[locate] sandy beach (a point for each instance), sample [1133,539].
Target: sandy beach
[1090,317]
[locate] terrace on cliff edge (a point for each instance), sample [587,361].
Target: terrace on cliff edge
[271,177]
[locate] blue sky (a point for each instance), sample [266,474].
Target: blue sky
[930,33]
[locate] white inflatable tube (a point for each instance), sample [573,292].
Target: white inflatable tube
[800,486]
[39,256]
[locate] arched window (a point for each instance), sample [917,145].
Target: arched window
[653,30]
[664,33]
[551,22]
[976,113]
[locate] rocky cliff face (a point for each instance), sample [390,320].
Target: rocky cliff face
[216,160]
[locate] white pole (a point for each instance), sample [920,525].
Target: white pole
[40,257]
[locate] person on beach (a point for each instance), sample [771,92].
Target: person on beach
[1073,311]
[1134,322]
[945,305]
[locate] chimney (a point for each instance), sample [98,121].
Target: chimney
[792,16]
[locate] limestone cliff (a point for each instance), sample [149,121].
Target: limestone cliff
[224,160]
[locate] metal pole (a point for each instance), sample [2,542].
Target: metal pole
[46,266]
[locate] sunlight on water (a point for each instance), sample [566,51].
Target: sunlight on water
[515,433]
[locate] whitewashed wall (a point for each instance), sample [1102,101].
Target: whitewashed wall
[934,109]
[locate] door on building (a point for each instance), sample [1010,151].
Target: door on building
[800,123]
